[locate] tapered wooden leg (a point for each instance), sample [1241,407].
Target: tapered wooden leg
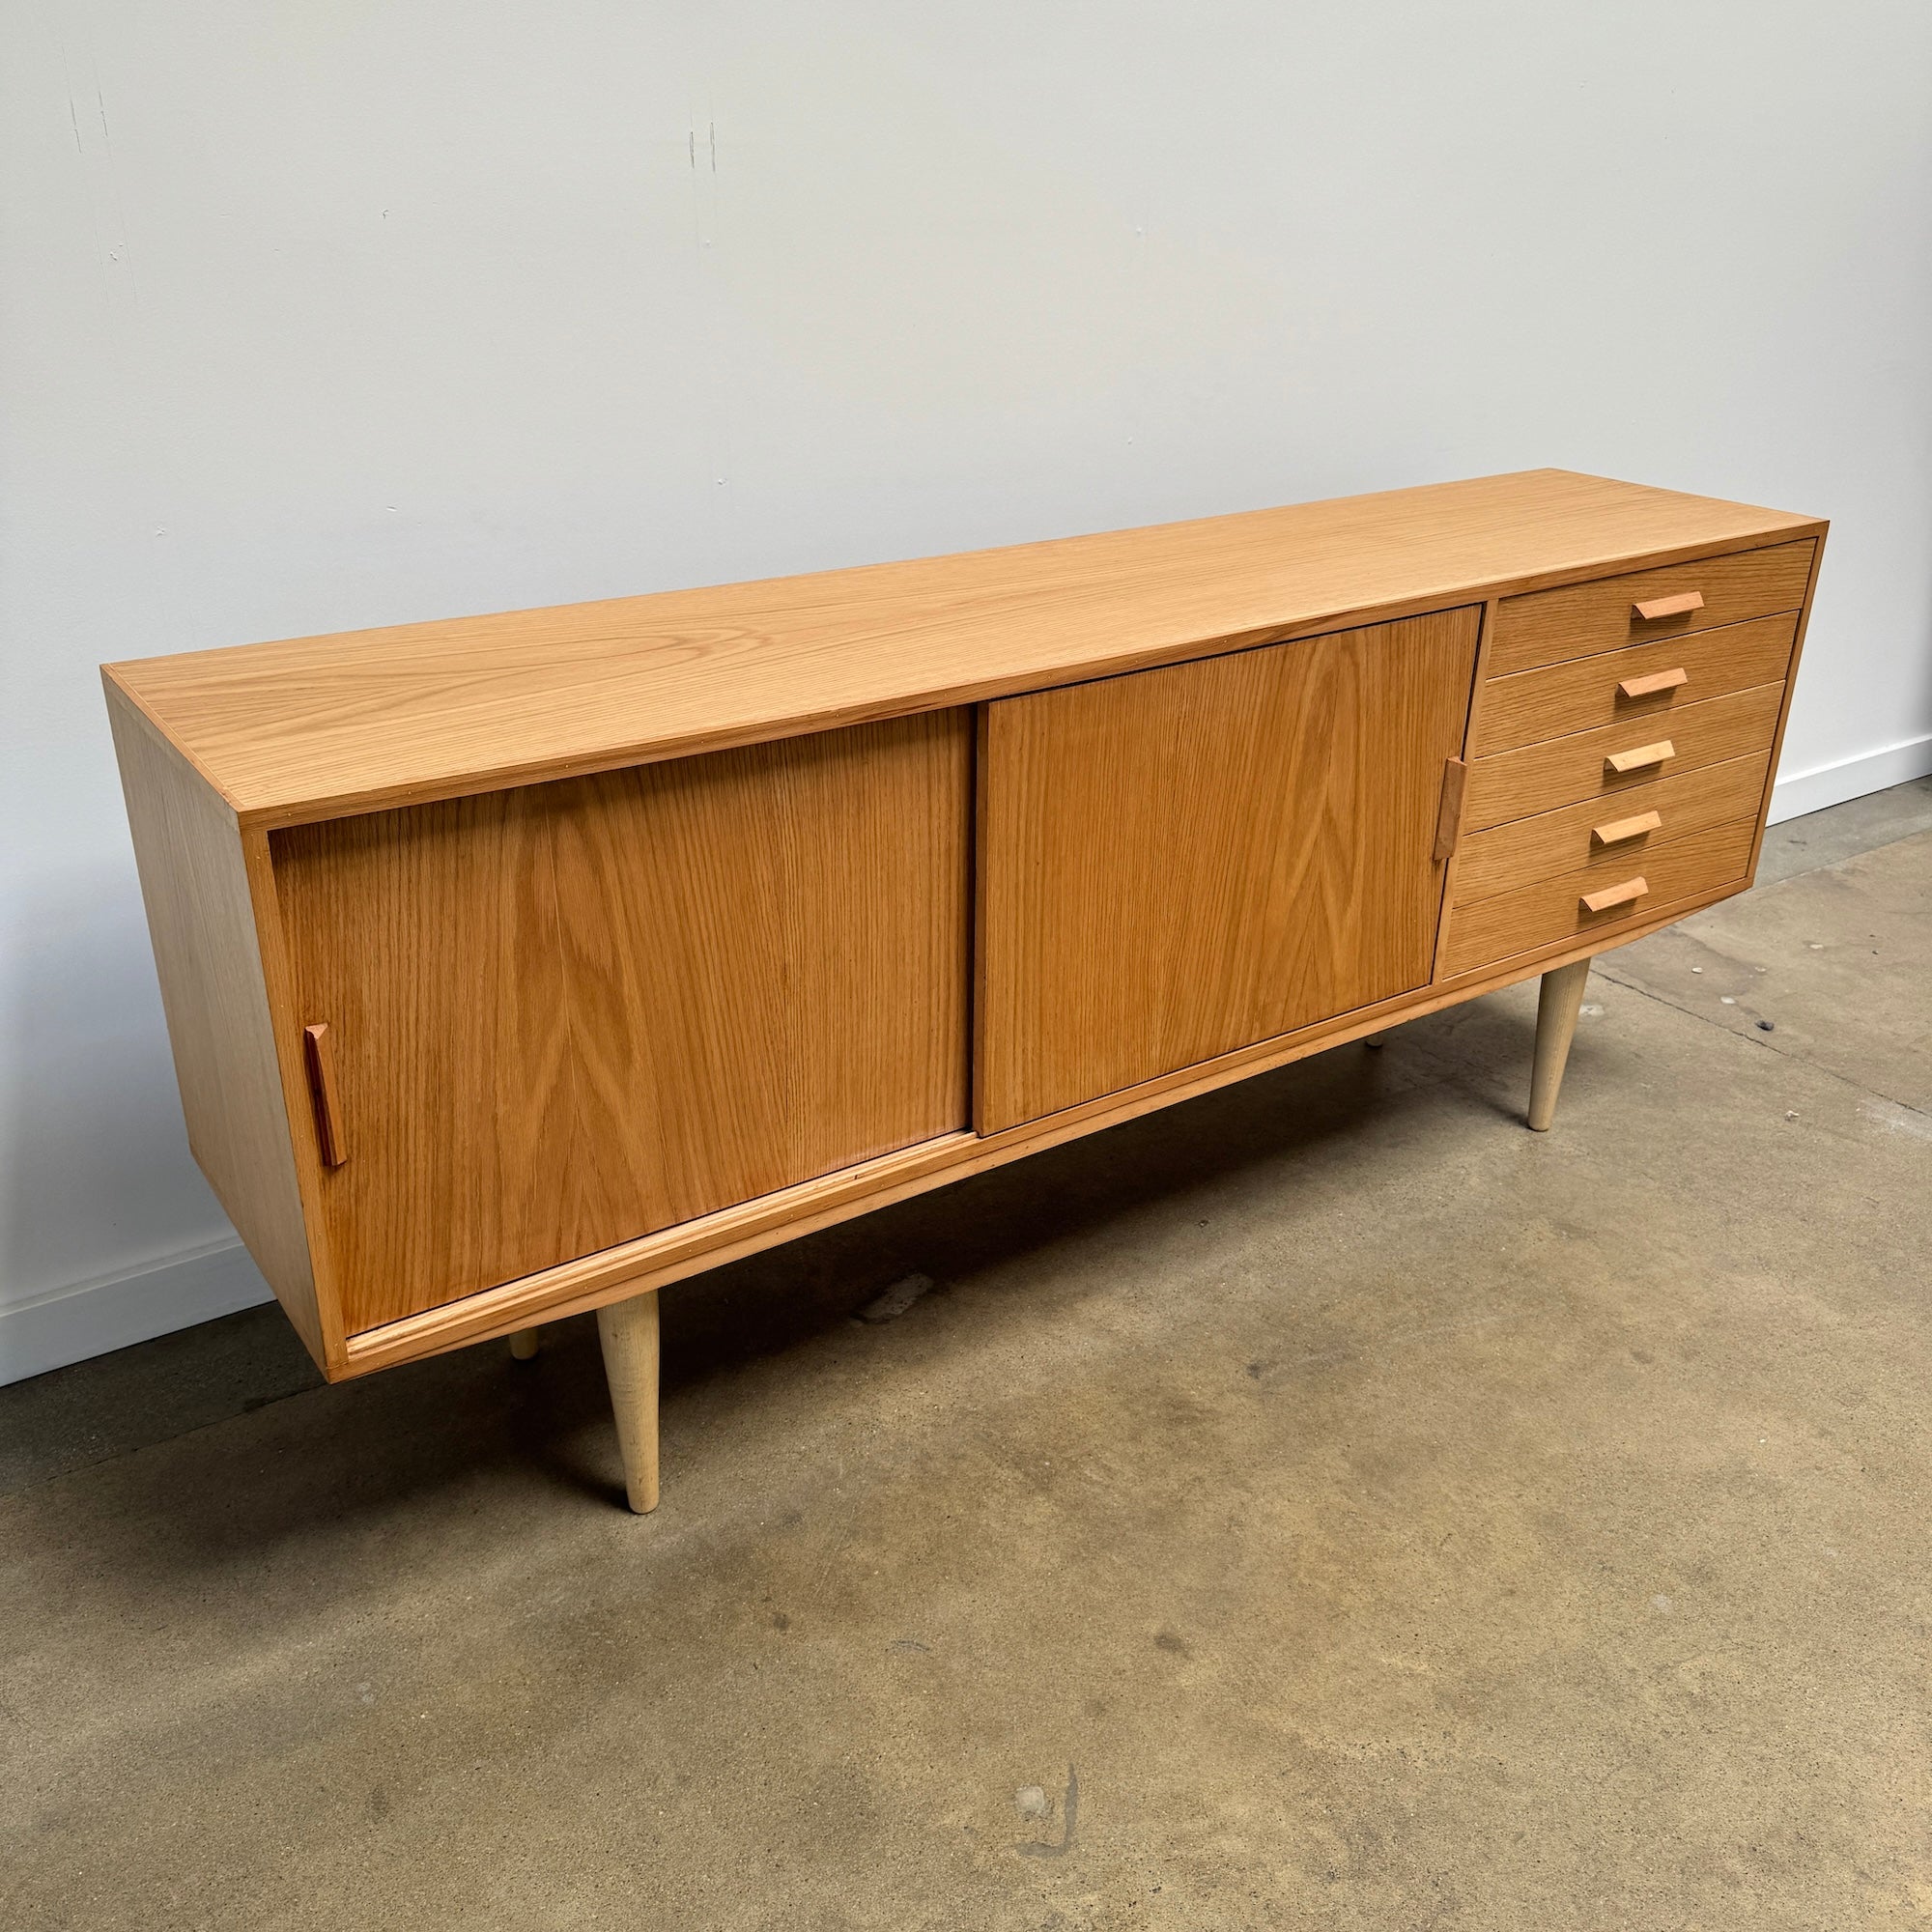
[629,1333]
[525,1343]
[1556,1027]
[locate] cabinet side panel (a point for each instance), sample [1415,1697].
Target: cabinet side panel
[1784,709]
[194,883]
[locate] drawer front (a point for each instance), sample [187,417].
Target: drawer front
[1555,909]
[1549,627]
[1529,849]
[1541,778]
[1666,676]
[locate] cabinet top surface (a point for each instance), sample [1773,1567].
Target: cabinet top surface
[313,727]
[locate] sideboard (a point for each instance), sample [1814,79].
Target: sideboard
[517,965]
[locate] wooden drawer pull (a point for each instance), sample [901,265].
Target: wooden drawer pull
[1620,829]
[319,1056]
[1658,680]
[1644,755]
[1615,895]
[1670,606]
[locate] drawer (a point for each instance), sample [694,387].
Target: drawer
[1580,619]
[1528,849]
[1541,778]
[1553,909]
[1532,705]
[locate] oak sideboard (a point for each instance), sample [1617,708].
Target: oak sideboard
[517,965]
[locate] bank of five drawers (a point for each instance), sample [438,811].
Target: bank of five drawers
[1620,749]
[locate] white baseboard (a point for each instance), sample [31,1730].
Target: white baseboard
[1799,792]
[93,1318]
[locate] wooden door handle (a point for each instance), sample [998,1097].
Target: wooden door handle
[1449,807]
[1670,606]
[319,1056]
[1658,680]
[1644,755]
[1620,829]
[1615,895]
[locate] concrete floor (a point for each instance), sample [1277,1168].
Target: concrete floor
[1322,1504]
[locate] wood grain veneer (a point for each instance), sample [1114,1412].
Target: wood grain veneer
[1554,842]
[1188,860]
[734,1233]
[1514,785]
[1784,709]
[638,935]
[1552,909]
[565,1016]
[1581,619]
[207,955]
[1583,693]
[315,727]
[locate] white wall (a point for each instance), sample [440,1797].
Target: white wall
[318,316]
